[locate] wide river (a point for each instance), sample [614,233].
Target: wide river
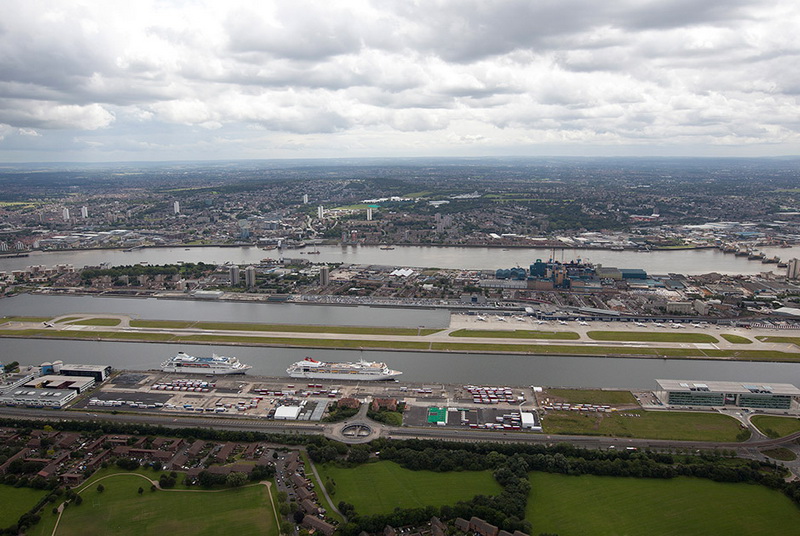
[690,262]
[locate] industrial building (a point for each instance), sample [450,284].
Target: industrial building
[37,398]
[100,373]
[79,384]
[718,394]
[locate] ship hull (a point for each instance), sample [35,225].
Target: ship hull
[344,376]
[201,370]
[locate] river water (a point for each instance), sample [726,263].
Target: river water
[448,367]
[221,311]
[690,262]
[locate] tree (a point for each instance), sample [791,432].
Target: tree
[286,527]
[140,491]
[298,516]
[235,480]
[78,500]
[100,488]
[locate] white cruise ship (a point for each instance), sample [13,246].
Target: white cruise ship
[358,371]
[216,364]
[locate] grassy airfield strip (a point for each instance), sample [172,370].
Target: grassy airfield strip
[291,328]
[736,339]
[516,334]
[650,336]
[377,488]
[591,396]
[606,506]
[417,339]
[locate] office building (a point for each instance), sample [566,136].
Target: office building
[234,273]
[718,394]
[324,276]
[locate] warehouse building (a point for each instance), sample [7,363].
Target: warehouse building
[718,394]
[77,383]
[100,373]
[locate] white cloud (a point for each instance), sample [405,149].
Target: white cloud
[375,77]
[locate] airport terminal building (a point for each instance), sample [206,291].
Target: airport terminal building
[744,395]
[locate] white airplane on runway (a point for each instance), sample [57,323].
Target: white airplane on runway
[658,325]
[641,324]
[482,318]
[582,323]
[520,318]
[500,318]
[540,322]
[696,326]
[562,322]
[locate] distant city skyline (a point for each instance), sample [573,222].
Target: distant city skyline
[100,81]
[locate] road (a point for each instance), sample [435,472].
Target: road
[451,434]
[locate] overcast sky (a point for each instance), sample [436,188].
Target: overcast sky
[180,79]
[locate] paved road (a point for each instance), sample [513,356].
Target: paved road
[454,434]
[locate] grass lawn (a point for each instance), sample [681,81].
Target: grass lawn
[736,339]
[516,334]
[606,506]
[377,488]
[782,426]
[649,425]
[291,328]
[592,396]
[15,502]
[650,336]
[5,319]
[161,324]
[98,322]
[788,340]
[121,511]
[780,453]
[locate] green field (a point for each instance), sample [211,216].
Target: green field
[121,511]
[650,336]
[736,339]
[649,424]
[516,334]
[609,506]
[15,502]
[377,488]
[291,328]
[5,319]
[788,340]
[592,396]
[782,426]
[97,322]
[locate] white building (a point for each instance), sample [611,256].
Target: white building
[287,413]
[305,199]
[176,207]
[65,214]
[369,213]
[320,212]
[234,273]
[84,212]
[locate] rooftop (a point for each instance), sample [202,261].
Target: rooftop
[729,387]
